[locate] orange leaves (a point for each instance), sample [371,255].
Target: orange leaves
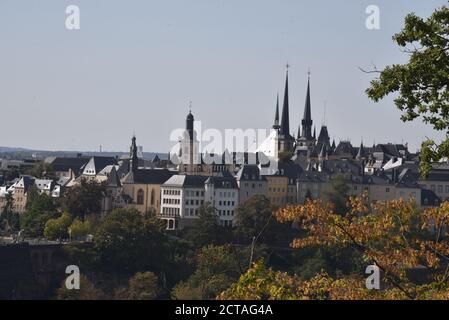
[394,234]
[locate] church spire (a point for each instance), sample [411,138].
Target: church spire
[276,116]
[361,153]
[307,118]
[285,122]
[133,155]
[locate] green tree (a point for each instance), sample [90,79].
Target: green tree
[84,199]
[217,268]
[42,170]
[39,211]
[254,218]
[338,194]
[58,228]
[141,286]
[9,220]
[205,229]
[129,242]
[80,229]
[421,84]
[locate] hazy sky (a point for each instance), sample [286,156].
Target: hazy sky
[135,65]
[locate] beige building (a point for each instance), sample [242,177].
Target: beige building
[143,188]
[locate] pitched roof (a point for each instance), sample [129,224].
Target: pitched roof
[148,176]
[185,181]
[222,181]
[250,172]
[67,163]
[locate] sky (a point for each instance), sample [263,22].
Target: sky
[134,66]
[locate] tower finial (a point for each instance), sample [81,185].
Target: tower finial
[287,66]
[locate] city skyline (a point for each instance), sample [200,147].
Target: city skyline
[117,75]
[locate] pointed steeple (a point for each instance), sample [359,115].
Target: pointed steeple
[285,121]
[133,155]
[299,131]
[276,116]
[333,144]
[314,133]
[307,118]
[361,152]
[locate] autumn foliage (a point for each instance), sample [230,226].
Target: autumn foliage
[396,236]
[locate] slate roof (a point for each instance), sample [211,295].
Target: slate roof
[148,176]
[186,181]
[67,163]
[222,181]
[249,172]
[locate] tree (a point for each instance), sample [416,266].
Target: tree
[254,217]
[393,235]
[80,229]
[422,84]
[129,242]
[39,211]
[42,170]
[84,199]
[87,291]
[9,220]
[58,228]
[217,268]
[141,286]
[338,194]
[262,283]
[205,229]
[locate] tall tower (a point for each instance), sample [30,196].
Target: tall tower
[306,140]
[189,147]
[134,165]
[307,118]
[285,140]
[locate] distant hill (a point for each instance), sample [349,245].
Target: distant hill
[21,153]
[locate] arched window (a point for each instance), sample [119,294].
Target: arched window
[152,197]
[140,196]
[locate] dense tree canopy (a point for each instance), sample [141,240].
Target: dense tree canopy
[128,241]
[40,209]
[84,199]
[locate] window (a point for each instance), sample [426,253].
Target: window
[152,197]
[387,190]
[140,195]
[440,188]
[447,189]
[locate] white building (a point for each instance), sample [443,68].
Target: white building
[183,195]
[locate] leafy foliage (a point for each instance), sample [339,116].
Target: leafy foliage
[129,242]
[84,199]
[205,229]
[58,228]
[41,209]
[217,268]
[141,286]
[79,229]
[422,84]
[393,235]
[87,291]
